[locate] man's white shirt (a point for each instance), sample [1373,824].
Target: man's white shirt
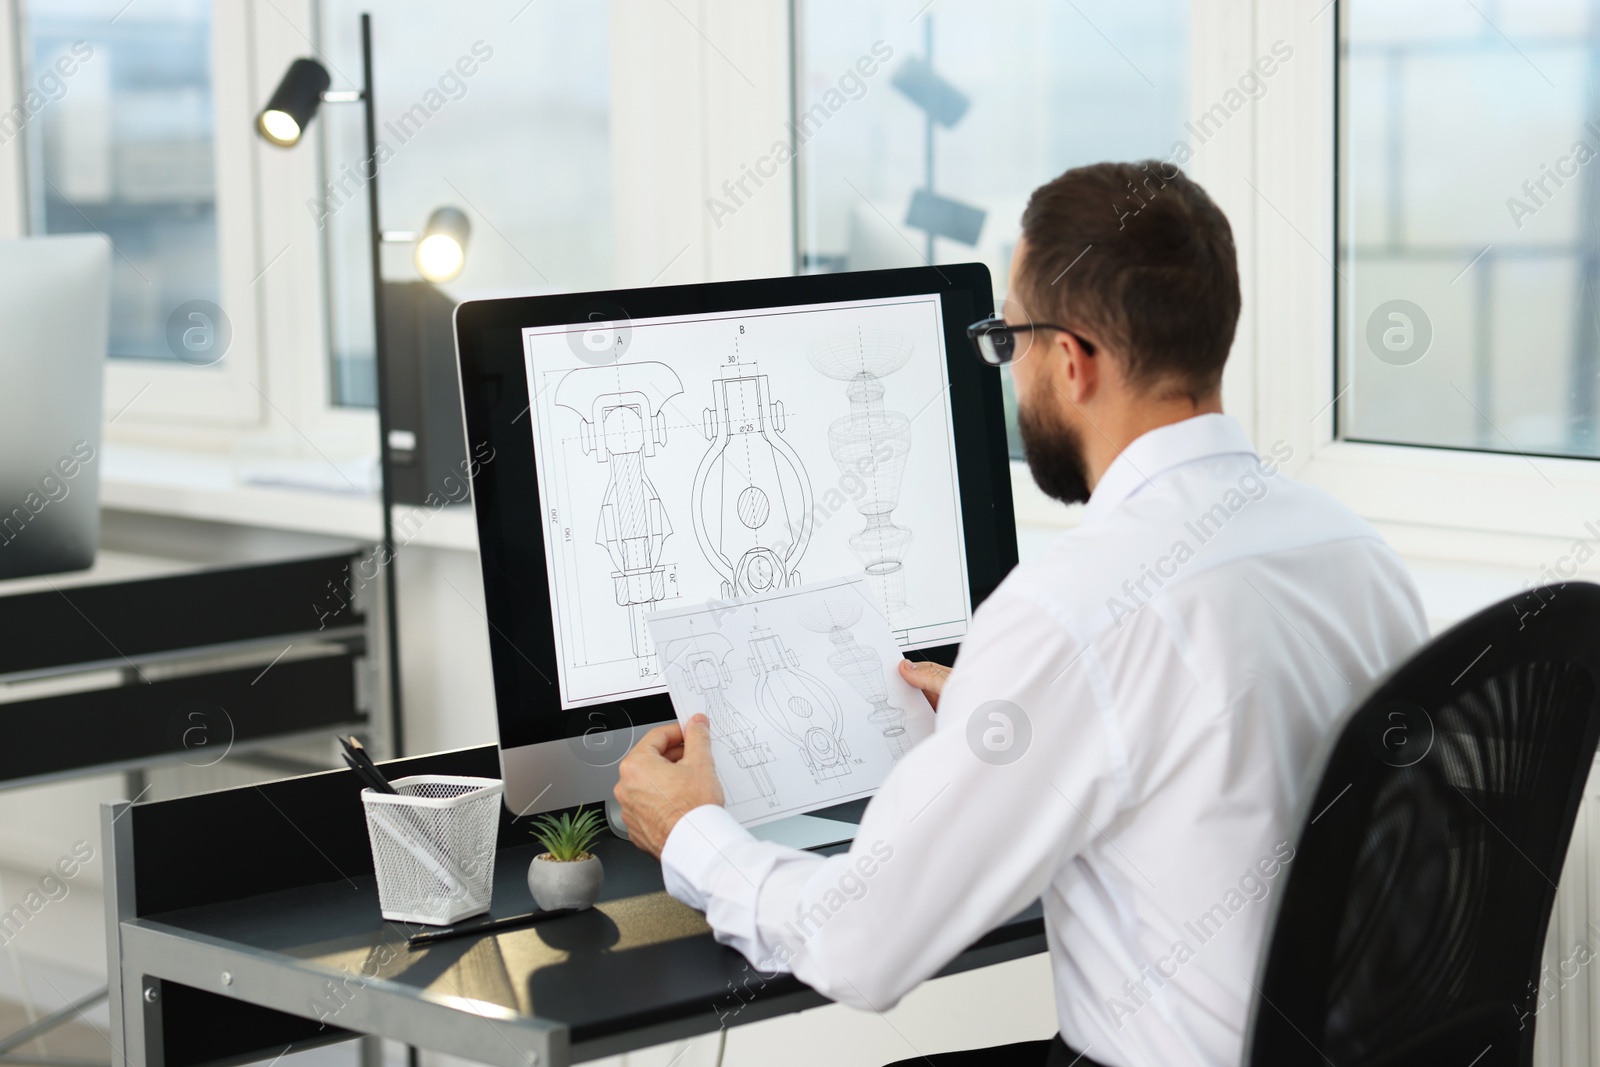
[1125,736]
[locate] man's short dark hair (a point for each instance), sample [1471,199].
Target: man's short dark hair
[1138,257]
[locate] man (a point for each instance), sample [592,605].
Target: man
[1126,731]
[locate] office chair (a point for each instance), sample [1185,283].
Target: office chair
[1412,925]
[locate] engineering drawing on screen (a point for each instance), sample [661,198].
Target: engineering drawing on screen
[874,444]
[861,667]
[621,423]
[752,497]
[725,455]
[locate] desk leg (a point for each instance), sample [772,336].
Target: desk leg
[141,1021]
[371,1051]
[135,1001]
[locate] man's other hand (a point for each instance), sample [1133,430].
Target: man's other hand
[667,775]
[926,676]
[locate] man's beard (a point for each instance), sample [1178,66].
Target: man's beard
[1054,452]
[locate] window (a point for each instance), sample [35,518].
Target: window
[121,143]
[1469,236]
[970,105]
[522,146]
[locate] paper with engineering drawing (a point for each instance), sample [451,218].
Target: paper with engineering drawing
[803,691]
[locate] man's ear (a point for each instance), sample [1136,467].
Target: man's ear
[1080,369]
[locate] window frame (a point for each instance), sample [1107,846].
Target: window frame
[274,388]
[663,231]
[153,392]
[1225,36]
[1273,173]
[1275,177]
[298,402]
[1404,488]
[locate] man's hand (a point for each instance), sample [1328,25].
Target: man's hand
[667,775]
[926,676]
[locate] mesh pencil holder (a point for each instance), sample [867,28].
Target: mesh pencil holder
[433,844]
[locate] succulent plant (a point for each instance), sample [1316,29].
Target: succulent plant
[567,837]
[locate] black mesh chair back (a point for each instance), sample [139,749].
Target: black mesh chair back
[1412,924]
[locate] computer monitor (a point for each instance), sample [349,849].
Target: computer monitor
[642,449]
[55,302]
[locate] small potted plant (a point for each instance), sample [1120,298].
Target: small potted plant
[567,874]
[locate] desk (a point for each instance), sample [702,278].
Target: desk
[244,923]
[188,654]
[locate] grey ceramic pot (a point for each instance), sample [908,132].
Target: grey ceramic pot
[565,885]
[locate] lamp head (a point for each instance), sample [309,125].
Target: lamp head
[441,250]
[294,103]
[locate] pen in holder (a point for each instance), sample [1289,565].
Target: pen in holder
[433,845]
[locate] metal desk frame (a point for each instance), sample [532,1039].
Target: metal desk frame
[154,960]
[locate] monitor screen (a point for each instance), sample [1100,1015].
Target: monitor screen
[690,458]
[652,448]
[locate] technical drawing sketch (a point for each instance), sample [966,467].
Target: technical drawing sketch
[799,706]
[621,424]
[741,454]
[872,443]
[751,500]
[861,667]
[802,676]
[699,664]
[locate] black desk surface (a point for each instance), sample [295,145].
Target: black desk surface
[285,877]
[638,961]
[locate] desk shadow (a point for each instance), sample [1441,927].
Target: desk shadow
[471,967]
[586,939]
[596,990]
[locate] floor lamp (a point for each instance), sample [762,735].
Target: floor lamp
[439,256]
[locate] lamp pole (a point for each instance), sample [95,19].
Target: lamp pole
[390,584]
[440,253]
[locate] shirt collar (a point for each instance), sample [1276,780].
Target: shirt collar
[1159,451]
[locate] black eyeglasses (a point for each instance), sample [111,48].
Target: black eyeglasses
[997,343]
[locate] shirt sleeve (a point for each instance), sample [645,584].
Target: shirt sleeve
[966,831]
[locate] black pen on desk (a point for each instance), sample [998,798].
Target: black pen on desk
[428,937]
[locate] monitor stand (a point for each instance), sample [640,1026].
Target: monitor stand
[828,826]
[805,831]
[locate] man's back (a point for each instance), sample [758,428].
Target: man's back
[1126,734]
[1213,618]
[1125,738]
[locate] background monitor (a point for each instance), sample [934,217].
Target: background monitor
[55,302]
[641,449]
